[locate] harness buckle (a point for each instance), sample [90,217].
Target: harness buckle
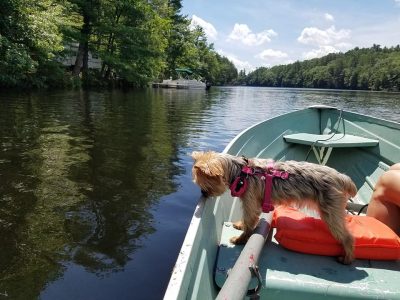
[280,174]
[248,170]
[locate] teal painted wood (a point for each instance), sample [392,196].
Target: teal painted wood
[246,265]
[388,133]
[266,138]
[290,275]
[330,140]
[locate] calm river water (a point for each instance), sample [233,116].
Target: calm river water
[95,187]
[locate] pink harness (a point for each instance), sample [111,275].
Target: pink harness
[239,185]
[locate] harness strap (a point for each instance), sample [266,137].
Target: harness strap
[239,185]
[267,203]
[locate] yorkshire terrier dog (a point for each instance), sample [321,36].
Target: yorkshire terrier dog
[261,182]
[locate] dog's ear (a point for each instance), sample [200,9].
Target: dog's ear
[197,154]
[212,167]
[209,169]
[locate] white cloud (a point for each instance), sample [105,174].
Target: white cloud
[317,37]
[208,28]
[329,17]
[271,54]
[343,45]
[272,57]
[326,41]
[239,64]
[321,51]
[242,33]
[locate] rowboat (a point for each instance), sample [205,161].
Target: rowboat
[209,267]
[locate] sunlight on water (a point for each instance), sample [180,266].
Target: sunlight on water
[96,190]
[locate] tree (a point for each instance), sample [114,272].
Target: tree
[137,41]
[368,68]
[89,11]
[30,40]
[178,37]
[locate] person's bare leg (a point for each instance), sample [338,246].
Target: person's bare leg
[385,201]
[395,167]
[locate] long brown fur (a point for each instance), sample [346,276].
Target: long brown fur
[316,186]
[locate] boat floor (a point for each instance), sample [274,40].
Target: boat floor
[291,275]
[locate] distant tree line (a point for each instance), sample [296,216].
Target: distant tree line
[372,68]
[138,41]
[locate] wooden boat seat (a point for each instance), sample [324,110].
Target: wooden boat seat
[328,142]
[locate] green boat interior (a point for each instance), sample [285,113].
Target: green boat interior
[360,146]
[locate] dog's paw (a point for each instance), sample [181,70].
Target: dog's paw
[204,193]
[238,225]
[345,260]
[238,240]
[235,240]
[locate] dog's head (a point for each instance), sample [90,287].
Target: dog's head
[208,172]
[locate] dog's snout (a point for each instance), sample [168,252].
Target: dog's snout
[205,193]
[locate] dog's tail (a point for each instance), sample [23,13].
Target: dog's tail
[349,186]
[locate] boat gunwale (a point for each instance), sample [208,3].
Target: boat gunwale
[176,282]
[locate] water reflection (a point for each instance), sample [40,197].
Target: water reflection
[79,172]
[95,182]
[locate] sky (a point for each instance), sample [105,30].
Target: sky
[255,33]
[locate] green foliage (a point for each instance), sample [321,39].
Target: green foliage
[137,41]
[188,47]
[16,64]
[130,42]
[368,69]
[30,39]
